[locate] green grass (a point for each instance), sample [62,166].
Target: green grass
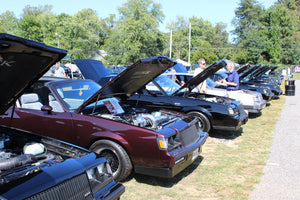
[228,168]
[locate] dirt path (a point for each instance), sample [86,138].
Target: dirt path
[281,179]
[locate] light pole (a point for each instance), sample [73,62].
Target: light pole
[58,36]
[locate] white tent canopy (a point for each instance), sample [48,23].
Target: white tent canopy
[183,62]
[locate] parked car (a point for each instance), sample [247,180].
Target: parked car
[251,100]
[265,91]
[247,78]
[213,112]
[159,143]
[34,166]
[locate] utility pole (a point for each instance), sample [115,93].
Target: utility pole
[58,36]
[170,55]
[189,59]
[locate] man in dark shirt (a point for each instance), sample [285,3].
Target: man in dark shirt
[232,82]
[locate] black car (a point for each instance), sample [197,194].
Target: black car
[37,167]
[213,112]
[247,77]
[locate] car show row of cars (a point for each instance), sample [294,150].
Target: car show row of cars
[86,135]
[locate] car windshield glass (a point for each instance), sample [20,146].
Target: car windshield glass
[167,84]
[74,94]
[210,82]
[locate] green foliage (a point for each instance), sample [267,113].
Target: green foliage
[204,36]
[267,36]
[137,35]
[8,23]
[205,51]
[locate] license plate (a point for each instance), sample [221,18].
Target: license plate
[195,154]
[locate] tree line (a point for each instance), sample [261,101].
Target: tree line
[265,36]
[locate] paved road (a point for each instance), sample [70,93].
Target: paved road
[281,179]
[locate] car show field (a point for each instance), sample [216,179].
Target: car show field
[148,137]
[228,168]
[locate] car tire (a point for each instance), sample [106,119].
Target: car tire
[116,156]
[204,121]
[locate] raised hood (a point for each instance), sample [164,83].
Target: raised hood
[191,84]
[22,62]
[249,71]
[243,68]
[92,69]
[133,78]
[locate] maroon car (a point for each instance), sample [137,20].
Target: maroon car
[159,143]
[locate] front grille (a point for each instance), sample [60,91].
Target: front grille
[76,188]
[190,134]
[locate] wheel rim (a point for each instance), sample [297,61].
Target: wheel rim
[112,158]
[201,124]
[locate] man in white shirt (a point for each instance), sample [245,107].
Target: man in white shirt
[59,71]
[202,87]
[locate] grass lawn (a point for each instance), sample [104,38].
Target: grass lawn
[229,166]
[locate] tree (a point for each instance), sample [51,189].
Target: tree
[136,35]
[246,17]
[205,51]
[30,25]
[202,33]
[8,23]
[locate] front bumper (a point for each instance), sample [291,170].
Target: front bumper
[240,120]
[256,108]
[180,161]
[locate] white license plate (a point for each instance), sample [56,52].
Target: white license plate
[195,154]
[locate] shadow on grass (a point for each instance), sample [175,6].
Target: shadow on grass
[165,182]
[254,115]
[227,135]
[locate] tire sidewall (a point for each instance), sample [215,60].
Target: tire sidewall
[125,166]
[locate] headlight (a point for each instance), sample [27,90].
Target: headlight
[162,143]
[231,111]
[99,176]
[255,98]
[265,91]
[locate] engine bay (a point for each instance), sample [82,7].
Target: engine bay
[21,154]
[117,111]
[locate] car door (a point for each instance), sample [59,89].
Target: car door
[58,125]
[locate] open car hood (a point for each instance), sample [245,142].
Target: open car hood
[191,84]
[261,70]
[92,69]
[22,62]
[249,71]
[132,78]
[243,68]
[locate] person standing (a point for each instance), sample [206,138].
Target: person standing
[232,82]
[289,72]
[202,87]
[59,71]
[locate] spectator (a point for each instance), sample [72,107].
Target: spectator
[59,71]
[232,82]
[289,72]
[202,88]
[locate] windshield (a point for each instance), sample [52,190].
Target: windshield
[74,94]
[167,85]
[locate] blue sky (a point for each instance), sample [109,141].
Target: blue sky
[212,10]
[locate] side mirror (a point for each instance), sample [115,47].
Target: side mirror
[47,109]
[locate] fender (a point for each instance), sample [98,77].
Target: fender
[200,109]
[110,136]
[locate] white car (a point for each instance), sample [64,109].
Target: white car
[252,101]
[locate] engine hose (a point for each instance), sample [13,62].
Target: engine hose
[10,163]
